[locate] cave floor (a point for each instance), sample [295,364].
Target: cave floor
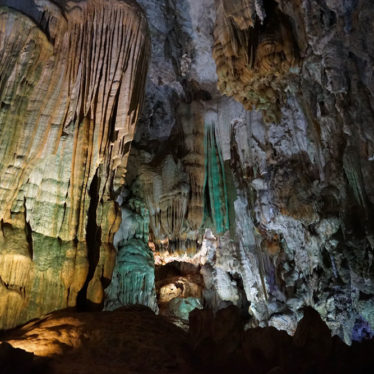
[135,340]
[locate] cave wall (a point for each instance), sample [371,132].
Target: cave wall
[252,159]
[313,198]
[71,88]
[295,149]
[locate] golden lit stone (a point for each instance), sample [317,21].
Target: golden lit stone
[72,91]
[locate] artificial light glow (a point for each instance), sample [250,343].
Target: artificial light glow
[51,338]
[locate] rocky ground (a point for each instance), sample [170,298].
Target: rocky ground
[135,340]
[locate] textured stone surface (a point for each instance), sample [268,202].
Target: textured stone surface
[274,205]
[309,180]
[128,340]
[133,340]
[179,288]
[71,88]
[254,51]
[133,280]
[298,190]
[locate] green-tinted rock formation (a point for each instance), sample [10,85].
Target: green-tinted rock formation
[216,201]
[133,280]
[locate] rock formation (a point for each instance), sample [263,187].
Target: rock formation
[72,77]
[179,290]
[261,199]
[309,183]
[128,340]
[298,170]
[133,280]
[133,339]
[254,51]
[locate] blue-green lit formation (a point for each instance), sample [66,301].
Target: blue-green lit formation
[182,307]
[215,200]
[133,279]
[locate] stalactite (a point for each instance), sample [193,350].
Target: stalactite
[352,169]
[216,202]
[193,131]
[166,194]
[71,88]
[254,54]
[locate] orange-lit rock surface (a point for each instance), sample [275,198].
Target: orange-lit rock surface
[179,289]
[128,340]
[135,340]
[71,87]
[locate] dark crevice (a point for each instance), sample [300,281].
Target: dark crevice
[28,232]
[113,134]
[93,242]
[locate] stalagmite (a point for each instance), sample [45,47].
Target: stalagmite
[133,280]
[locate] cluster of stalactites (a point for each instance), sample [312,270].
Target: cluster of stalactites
[71,88]
[167,196]
[185,196]
[215,196]
[244,12]
[254,51]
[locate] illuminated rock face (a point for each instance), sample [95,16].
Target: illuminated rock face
[83,343]
[187,194]
[67,341]
[71,87]
[298,170]
[179,290]
[273,206]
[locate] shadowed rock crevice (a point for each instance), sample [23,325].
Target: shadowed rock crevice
[93,240]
